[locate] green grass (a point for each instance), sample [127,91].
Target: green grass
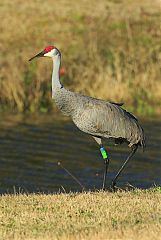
[134,214]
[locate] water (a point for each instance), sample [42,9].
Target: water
[31,147]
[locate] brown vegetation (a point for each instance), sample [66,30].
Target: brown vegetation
[111,50]
[98,215]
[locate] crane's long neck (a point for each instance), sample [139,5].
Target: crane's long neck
[55,75]
[64,99]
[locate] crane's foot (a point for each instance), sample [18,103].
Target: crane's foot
[113,186]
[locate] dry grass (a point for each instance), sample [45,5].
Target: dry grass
[111,50]
[97,215]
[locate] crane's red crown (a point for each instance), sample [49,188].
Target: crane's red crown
[48,49]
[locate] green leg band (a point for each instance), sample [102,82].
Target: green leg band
[104,153]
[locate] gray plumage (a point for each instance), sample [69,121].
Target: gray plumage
[100,118]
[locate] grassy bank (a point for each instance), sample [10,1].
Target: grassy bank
[106,45]
[97,215]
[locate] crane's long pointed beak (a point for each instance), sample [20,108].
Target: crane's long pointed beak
[41,54]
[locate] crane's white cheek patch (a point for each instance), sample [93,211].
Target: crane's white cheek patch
[48,54]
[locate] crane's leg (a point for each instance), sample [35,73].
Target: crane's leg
[134,148]
[106,159]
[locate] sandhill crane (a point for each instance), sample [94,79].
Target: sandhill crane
[98,118]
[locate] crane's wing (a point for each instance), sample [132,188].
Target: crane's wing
[106,119]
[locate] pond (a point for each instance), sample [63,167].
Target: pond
[32,146]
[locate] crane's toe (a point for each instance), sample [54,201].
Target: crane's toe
[113,186]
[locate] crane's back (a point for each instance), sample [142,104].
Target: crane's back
[100,118]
